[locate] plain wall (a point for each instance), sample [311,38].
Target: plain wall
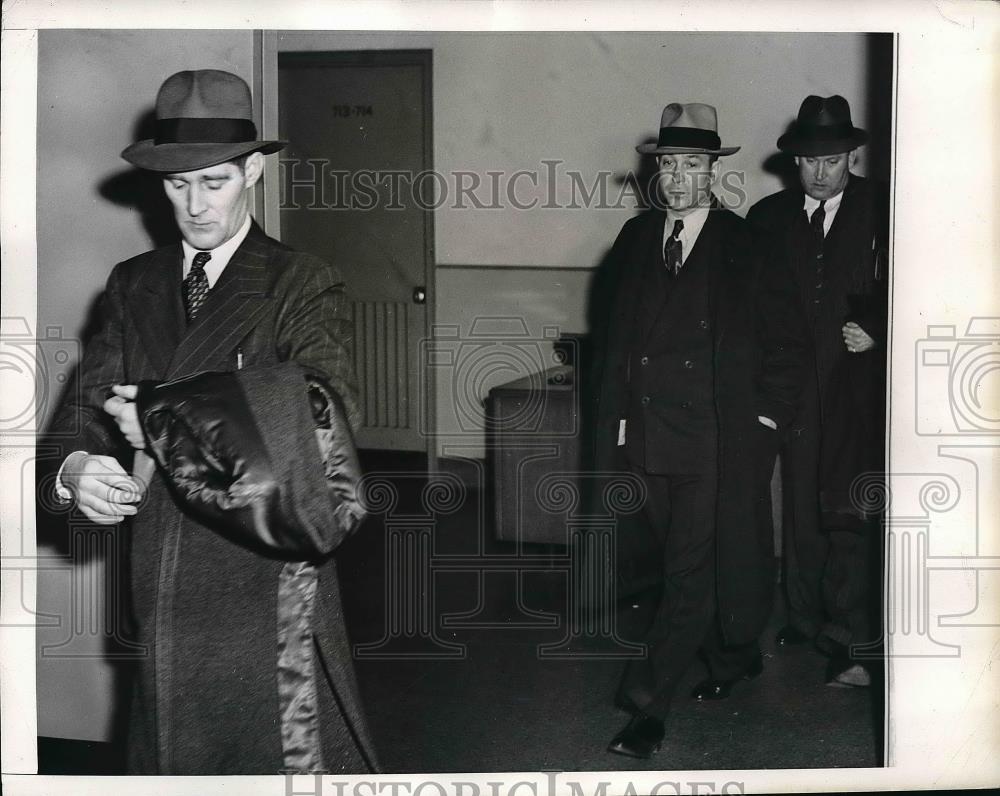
[93,89]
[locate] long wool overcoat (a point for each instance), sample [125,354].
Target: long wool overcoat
[757,365]
[247,666]
[843,401]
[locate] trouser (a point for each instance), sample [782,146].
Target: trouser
[850,587]
[680,512]
[830,574]
[804,546]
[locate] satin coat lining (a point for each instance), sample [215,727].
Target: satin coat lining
[296,672]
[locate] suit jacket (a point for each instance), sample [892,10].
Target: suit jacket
[756,365]
[206,608]
[844,393]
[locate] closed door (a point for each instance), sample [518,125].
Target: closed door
[359,128]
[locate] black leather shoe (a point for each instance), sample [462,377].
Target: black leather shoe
[640,738]
[719,689]
[790,635]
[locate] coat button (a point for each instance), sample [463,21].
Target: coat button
[688,364]
[645,400]
[644,361]
[703,324]
[686,405]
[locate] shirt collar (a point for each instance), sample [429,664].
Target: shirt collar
[830,207]
[693,222]
[221,255]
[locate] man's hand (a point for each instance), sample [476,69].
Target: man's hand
[856,339]
[121,406]
[102,490]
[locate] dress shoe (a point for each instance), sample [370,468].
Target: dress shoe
[790,635]
[844,674]
[640,738]
[709,690]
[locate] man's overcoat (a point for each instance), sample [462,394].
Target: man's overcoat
[217,618]
[756,366]
[844,392]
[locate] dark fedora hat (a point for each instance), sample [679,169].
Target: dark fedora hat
[688,127]
[203,117]
[823,127]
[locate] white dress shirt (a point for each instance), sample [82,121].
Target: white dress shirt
[693,223]
[830,208]
[220,256]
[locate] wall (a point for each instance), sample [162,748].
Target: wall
[94,88]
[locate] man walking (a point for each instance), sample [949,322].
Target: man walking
[247,669]
[699,370]
[831,236]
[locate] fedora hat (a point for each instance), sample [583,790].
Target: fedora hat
[823,127]
[203,117]
[688,127]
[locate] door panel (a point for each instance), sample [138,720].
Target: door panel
[353,120]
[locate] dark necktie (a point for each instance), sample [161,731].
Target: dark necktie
[816,226]
[673,249]
[196,285]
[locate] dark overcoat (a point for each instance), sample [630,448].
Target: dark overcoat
[844,392]
[212,614]
[757,359]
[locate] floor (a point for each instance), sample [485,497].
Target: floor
[472,687]
[503,706]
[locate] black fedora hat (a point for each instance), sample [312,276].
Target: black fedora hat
[203,117]
[823,127]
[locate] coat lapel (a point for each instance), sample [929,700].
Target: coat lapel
[157,308]
[233,307]
[651,301]
[704,252]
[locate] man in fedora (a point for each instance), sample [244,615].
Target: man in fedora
[831,234]
[246,667]
[698,370]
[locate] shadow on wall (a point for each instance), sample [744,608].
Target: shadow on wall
[782,165]
[143,191]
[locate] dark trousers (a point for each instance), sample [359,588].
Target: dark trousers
[850,585]
[804,546]
[828,571]
[680,513]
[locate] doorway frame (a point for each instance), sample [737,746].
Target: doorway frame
[267,46]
